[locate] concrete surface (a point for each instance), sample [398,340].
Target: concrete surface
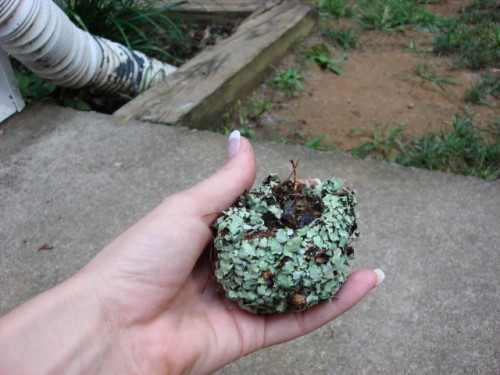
[76,180]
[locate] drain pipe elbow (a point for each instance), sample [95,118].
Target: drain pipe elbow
[40,35]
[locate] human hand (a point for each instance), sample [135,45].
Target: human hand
[150,288]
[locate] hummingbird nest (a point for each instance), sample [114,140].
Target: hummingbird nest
[285,245]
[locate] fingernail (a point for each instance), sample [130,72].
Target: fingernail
[380,275]
[233,143]
[316,181]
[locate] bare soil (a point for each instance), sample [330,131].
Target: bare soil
[378,89]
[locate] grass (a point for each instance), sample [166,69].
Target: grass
[481,91]
[335,9]
[384,15]
[473,39]
[382,142]
[256,106]
[427,73]
[345,37]
[246,115]
[137,24]
[395,15]
[314,143]
[462,149]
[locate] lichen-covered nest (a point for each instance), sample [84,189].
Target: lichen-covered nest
[285,246]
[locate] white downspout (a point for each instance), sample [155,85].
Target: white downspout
[38,34]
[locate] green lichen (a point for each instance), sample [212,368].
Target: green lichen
[285,246]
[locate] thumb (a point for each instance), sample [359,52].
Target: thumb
[221,190]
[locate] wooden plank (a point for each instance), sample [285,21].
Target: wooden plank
[217,11]
[216,6]
[199,92]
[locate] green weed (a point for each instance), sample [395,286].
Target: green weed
[300,138]
[393,15]
[478,93]
[382,144]
[35,90]
[275,137]
[245,115]
[317,143]
[335,9]
[249,133]
[320,54]
[256,106]
[347,38]
[461,150]
[289,81]
[425,71]
[474,37]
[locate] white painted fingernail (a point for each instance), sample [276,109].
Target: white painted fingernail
[316,181]
[380,275]
[233,143]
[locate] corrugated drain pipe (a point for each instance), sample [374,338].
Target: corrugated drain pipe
[39,35]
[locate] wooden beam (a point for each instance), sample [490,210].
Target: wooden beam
[216,11]
[217,6]
[201,90]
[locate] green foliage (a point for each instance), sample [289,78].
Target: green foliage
[245,114]
[474,37]
[382,144]
[249,133]
[36,90]
[321,55]
[256,106]
[138,24]
[317,143]
[461,150]
[426,72]
[392,15]
[289,81]
[478,93]
[347,37]
[33,88]
[335,9]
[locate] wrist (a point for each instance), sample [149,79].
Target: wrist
[63,330]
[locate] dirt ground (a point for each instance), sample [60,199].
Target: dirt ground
[378,89]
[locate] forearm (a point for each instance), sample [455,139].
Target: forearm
[60,331]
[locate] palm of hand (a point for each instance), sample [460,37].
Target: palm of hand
[158,296]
